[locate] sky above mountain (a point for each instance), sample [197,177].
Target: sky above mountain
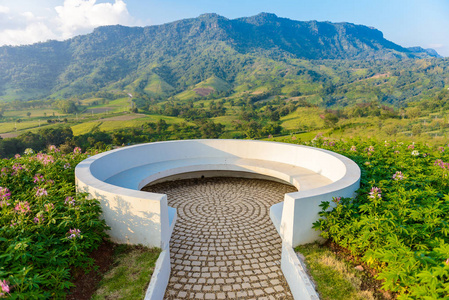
[405,22]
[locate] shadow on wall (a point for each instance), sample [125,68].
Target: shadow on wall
[127,224]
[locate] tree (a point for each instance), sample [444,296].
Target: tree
[67,106]
[416,129]
[330,120]
[28,114]
[413,113]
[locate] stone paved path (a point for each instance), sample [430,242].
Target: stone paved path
[224,244]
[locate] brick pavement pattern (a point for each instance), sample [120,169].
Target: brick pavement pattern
[224,245]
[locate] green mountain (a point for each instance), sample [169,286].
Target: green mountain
[263,52]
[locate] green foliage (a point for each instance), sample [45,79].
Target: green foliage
[45,230]
[263,52]
[398,224]
[37,141]
[66,106]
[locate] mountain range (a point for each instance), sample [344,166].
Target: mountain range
[175,58]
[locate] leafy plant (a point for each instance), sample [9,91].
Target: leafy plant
[398,223]
[46,229]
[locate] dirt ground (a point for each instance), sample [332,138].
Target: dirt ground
[86,284]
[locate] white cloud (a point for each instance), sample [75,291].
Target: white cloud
[32,33]
[436,46]
[81,16]
[4,9]
[73,18]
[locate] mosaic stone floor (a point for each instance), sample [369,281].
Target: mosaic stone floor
[224,245]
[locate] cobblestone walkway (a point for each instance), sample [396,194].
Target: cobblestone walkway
[224,244]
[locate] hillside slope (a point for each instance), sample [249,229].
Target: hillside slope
[168,59]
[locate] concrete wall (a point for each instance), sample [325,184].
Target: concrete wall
[115,177]
[299,282]
[159,279]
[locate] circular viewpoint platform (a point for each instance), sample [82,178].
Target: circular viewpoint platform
[116,178]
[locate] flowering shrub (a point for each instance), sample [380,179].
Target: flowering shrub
[399,222]
[42,235]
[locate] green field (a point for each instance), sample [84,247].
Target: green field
[125,121]
[15,126]
[303,118]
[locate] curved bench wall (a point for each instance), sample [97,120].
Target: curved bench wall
[115,177]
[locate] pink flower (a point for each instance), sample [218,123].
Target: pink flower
[16,167]
[37,178]
[77,150]
[22,207]
[371,149]
[4,193]
[39,218]
[45,159]
[398,176]
[375,192]
[336,200]
[353,148]
[4,285]
[69,201]
[40,192]
[3,203]
[73,233]
[441,164]
[4,172]
[441,149]
[17,156]
[411,147]
[319,135]
[54,149]
[67,166]
[49,206]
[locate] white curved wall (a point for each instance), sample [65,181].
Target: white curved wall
[115,178]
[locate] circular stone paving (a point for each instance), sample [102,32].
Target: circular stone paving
[224,244]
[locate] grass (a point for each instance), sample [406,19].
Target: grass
[131,274]
[186,95]
[334,278]
[117,105]
[111,124]
[40,113]
[225,120]
[11,126]
[156,85]
[303,118]
[212,82]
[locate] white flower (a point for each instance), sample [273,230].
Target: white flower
[415,152]
[28,151]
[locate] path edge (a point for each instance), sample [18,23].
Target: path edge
[161,275]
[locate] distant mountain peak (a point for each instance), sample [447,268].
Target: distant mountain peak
[428,51]
[211,16]
[182,53]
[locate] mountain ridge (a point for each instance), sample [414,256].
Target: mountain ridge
[182,53]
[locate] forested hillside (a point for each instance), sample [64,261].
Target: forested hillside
[338,63]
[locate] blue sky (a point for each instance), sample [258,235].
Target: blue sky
[405,22]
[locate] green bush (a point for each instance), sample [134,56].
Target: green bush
[399,222]
[46,230]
